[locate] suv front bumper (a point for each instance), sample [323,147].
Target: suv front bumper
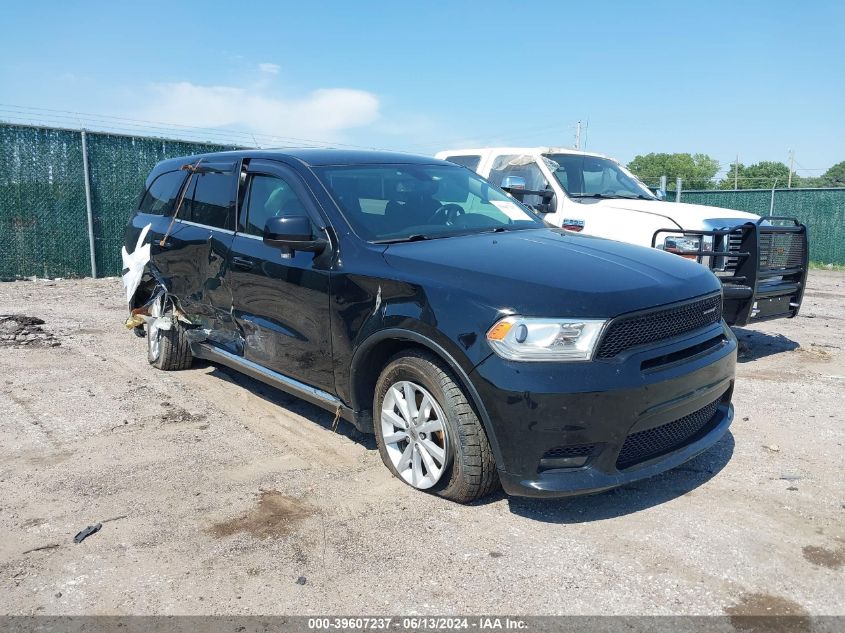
[627,422]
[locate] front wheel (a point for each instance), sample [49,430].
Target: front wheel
[428,434]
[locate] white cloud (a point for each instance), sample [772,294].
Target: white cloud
[267,67]
[322,114]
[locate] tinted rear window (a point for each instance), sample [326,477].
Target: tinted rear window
[161,196]
[211,200]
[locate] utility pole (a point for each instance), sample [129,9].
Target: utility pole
[791,163]
[578,135]
[736,173]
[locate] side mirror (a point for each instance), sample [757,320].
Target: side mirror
[293,232]
[660,194]
[512,182]
[549,203]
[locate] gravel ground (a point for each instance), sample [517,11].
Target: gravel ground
[220,495]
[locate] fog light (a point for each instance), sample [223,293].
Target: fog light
[550,463]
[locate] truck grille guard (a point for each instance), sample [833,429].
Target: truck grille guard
[762,267]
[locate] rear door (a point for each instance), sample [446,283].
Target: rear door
[192,258]
[280,299]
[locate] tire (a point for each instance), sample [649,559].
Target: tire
[468,470]
[168,350]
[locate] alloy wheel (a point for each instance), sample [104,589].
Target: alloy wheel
[413,428]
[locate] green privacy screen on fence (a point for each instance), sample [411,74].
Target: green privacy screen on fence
[822,210]
[43,219]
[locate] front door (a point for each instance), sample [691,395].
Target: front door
[280,299]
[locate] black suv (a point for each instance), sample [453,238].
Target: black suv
[419,302]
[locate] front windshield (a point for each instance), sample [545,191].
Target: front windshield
[386,203]
[594,177]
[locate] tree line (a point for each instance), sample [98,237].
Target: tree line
[698,171]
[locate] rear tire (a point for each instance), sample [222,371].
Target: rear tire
[168,350]
[445,438]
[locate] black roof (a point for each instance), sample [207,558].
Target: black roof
[315,157]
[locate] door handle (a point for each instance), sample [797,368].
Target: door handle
[244,263]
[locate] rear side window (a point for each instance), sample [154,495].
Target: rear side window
[470,161]
[161,196]
[210,200]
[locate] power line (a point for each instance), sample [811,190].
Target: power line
[82,118]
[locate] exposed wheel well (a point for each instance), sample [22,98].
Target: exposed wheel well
[143,294]
[369,369]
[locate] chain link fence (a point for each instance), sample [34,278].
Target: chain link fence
[43,219]
[822,210]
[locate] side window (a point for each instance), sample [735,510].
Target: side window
[269,197]
[210,200]
[524,167]
[470,161]
[161,196]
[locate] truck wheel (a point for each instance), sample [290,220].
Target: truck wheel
[167,349]
[427,432]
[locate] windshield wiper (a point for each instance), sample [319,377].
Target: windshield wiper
[615,196]
[639,196]
[416,237]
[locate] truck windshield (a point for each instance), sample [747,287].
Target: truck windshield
[595,177]
[395,203]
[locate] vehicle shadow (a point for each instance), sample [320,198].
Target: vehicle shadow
[290,403]
[754,345]
[631,498]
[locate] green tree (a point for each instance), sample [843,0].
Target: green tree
[696,170]
[762,175]
[833,177]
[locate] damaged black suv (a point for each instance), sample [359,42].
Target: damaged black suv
[423,304]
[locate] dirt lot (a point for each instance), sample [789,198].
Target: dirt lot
[229,497]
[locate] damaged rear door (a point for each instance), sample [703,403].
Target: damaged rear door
[280,298]
[191,257]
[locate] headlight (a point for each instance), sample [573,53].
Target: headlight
[526,338]
[688,245]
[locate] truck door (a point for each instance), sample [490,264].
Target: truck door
[192,257]
[280,299]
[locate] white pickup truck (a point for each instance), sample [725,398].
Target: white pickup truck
[762,262]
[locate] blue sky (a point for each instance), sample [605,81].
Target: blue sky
[724,78]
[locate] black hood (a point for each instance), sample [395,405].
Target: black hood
[549,272]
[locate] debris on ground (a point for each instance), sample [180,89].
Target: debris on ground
[19,330]
[772,447]
[84,534]
[300,580]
